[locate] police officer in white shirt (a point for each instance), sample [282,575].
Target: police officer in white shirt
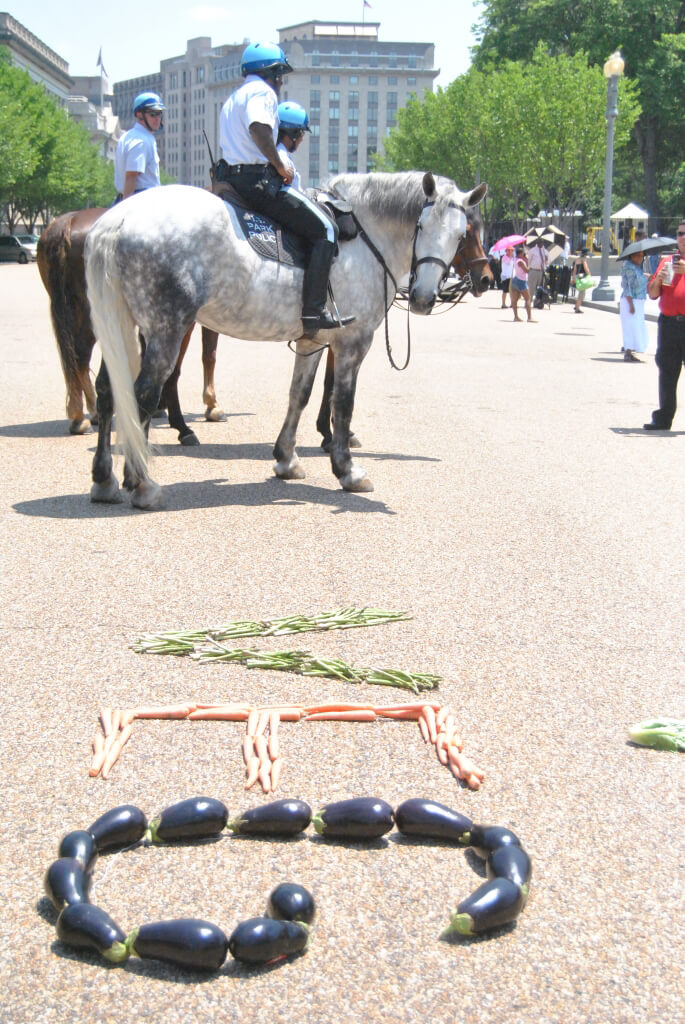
[293,122]
[136,161]
[248,134]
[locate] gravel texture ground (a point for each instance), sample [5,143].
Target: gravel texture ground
[534,532]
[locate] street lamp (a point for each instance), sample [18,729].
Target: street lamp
[613,69]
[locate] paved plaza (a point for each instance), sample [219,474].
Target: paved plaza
[536,535]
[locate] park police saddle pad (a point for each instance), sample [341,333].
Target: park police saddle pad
[269,239]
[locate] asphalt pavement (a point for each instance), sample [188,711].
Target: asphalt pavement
[535,534]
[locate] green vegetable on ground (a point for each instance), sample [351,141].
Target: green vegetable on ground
[660,733]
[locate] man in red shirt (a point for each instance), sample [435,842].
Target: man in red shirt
[668,285]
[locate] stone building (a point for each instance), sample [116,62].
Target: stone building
[351,83]
[31,54]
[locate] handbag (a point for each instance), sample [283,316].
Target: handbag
[583,283]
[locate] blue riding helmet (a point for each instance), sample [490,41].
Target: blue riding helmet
[148,101]
[260,57]
[293,118]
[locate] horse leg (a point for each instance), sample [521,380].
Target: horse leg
[287,465]
[157,364]
[347,363]
[213,411]
[171,402]
[89,393]
[324,419]
[105,486]
[78,424]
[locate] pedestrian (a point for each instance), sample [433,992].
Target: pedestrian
[579,272]
[505,274]
[248,134]
[538,260]
[668,286]
[632,307]
[136,160]
[519,285]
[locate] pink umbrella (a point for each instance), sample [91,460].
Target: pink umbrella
[509,240]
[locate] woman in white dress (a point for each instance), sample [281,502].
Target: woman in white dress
[632,307]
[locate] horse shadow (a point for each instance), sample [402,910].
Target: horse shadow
[207,494]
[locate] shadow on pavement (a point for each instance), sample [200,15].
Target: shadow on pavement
[208,494]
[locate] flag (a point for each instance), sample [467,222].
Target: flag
[367,4]
[100,64]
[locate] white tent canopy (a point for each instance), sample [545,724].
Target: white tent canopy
[630,212]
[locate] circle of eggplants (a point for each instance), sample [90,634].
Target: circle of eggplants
[284,930]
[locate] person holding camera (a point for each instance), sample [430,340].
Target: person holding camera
[252,164]
[668,286]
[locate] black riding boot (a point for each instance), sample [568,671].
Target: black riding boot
[315,316]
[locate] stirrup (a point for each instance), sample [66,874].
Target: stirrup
[323,321]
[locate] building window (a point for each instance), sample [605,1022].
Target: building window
[352,131]
[332,166]
[392,80]
[373,80]
[200,74]
[411,61]
[316,59]
[335,79]
[315,79]
[411,80]
[354,79]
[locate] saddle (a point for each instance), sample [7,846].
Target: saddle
[274,242]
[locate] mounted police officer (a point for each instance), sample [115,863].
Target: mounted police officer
[136,161]
[248,134]
[293,122]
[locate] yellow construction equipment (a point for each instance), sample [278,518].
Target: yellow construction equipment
[594,240]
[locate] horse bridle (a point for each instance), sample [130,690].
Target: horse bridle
[429,259]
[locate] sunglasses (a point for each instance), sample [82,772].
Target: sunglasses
[681,233]
[153,113]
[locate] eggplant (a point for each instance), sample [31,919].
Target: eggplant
[280,818]
[197,818]
[81,846]
[364,817]
[493,904]
[85,926]
[122,826]
[66,882]
[511,862]
[430,820]
[185,942]
[483,839]
[261,940]
[291,902]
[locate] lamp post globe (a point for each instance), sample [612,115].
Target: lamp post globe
[613,69]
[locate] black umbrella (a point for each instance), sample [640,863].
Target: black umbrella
[647,245]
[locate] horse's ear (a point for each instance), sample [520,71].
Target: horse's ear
[429,185]
[476,195]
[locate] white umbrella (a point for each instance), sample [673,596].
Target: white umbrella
[630,212]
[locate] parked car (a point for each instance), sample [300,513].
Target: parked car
[18,248]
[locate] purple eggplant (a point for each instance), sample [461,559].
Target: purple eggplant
[291,902]
[279,818]
[511,862]
[66,882]
[260,940]
[81,846]
[122,826]
[430,820]
[186,942]
[493,904]
[85,926]
[483,839]
[198,818]
[360,818]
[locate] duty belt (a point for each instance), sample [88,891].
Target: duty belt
[246,168]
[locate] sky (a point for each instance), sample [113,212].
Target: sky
[136,34]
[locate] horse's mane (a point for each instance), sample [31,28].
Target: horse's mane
[398,196]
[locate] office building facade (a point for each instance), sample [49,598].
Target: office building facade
[351,84]
[31,54]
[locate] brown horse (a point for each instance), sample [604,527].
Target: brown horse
[470,263]
[61,266]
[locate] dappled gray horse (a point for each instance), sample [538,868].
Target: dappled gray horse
[171,256]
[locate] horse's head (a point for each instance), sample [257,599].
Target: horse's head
[470,261]
[440,228]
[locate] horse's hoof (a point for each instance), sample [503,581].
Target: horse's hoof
[108,491]
[159,414]
[189,440]
[287,472]
[94,421]
[358,483]
[79,427]
[354,441]
[147,495]
[215,415]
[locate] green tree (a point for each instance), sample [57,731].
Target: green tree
[650,34]
[533,142]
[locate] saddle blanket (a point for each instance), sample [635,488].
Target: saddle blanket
[268,238]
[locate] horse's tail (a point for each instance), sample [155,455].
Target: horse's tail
[68,304]
[115,329]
